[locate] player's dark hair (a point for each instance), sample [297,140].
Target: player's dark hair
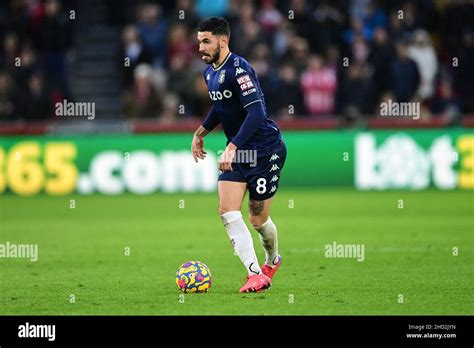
[216,25]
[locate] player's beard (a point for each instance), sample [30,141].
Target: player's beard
[215,57]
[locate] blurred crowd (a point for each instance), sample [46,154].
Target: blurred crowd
[319,58]
[35,38]
[313,58]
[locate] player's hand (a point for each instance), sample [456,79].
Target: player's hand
[197,148]
[225,162]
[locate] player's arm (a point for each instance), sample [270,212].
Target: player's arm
[255,116]
[197,146]
[245,86]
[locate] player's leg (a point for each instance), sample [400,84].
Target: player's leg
[259,216]
[231,196]
[263,182]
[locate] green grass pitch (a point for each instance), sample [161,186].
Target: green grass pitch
[408,252]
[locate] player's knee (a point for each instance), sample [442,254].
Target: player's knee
[223,209]
[258,220]
[231,216]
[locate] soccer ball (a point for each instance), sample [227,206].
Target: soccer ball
[193,276]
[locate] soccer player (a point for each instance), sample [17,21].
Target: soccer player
[238,105]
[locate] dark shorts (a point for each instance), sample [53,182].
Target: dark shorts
[262,177]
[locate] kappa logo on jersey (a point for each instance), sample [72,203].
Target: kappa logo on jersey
[274,157]
[221,76]
[273,189]
[208,77]
[239,71]
[275,178]
[245,82]
[274,167]
[236,61]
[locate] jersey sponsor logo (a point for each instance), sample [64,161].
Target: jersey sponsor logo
[236,61]
[245,82]
[246,86]
[253,90]
[221,76]
[218,95]
[243,79]
[239,71]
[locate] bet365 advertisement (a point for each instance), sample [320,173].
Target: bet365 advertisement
[144,164]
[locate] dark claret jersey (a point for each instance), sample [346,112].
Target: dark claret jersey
[233,86]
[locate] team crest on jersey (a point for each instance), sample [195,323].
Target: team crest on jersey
[239,71]
[221,76]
